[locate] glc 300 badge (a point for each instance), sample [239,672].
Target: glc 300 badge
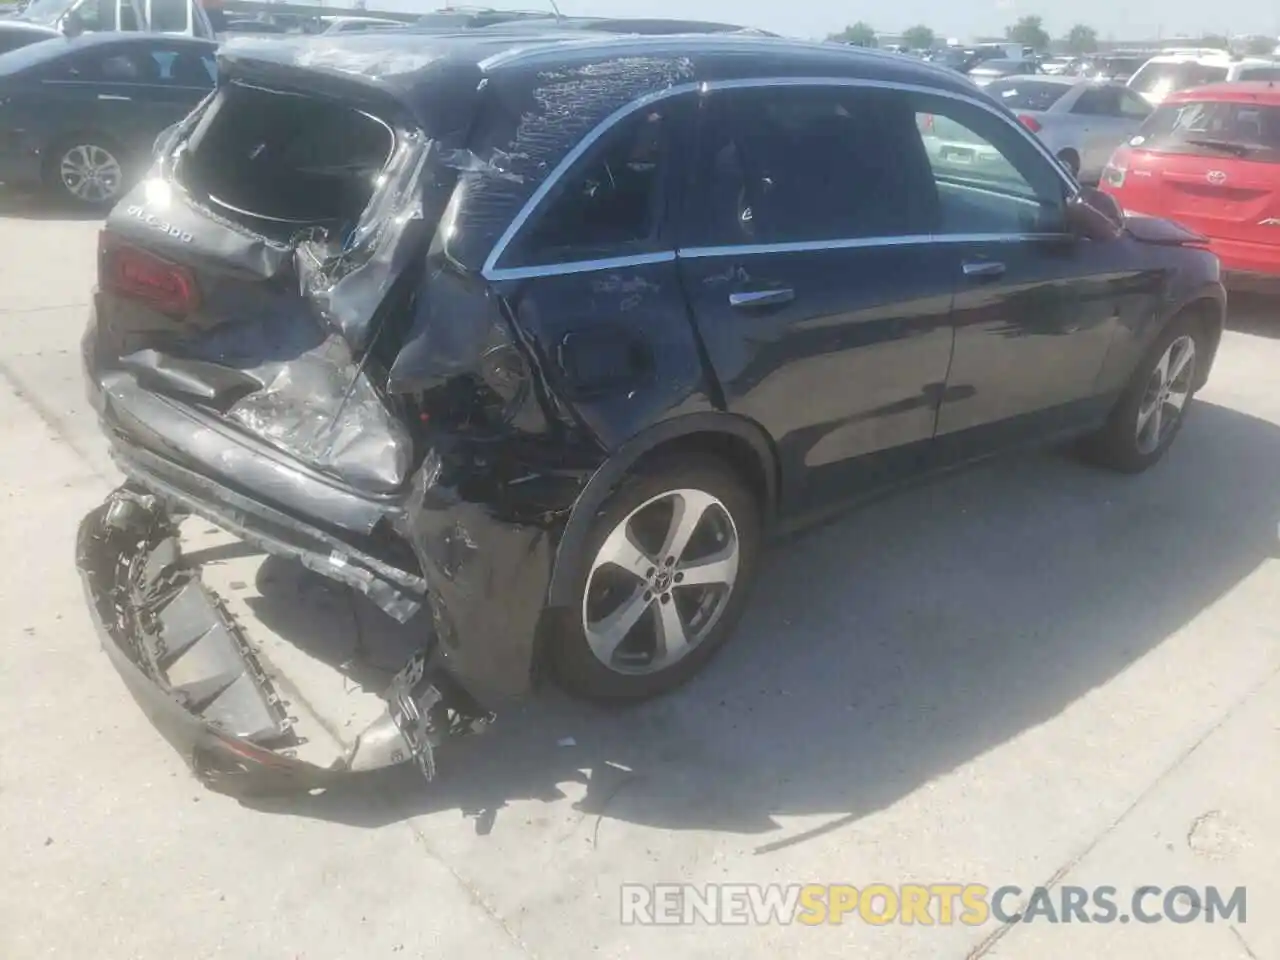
[151,220]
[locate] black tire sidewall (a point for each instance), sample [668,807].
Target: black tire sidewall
[1119,442]
[576,666]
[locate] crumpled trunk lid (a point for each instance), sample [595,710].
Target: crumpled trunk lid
[265,272]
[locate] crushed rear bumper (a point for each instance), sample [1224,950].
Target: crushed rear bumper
[194,672]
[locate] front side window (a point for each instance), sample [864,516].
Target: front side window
[181,68]
[989,177]
[807,164]
[611,203]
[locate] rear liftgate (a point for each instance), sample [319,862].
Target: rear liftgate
[193,670]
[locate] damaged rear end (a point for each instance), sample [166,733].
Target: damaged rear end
[282,345]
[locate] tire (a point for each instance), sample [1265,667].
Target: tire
[1071,160]
[1125,445]
[626,663]
[103,176]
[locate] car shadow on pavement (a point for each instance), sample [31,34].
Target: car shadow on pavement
[885,649]
[23,205]
[1254,312]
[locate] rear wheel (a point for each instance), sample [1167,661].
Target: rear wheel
[1150,412]
[672,557]
[87,171]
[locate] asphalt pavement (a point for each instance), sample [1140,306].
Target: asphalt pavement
[1031,673]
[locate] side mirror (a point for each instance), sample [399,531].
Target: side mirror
[71,25]
[1095,215]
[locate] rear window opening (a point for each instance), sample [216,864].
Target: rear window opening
[278,162]
[1250,131]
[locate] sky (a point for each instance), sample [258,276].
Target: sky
[964,21]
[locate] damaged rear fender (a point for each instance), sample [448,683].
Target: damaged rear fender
[742,441]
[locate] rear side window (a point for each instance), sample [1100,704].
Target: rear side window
[786,165]
[611,202]
[1027,94]
[1162,79]
[1250,131]
[1260,73]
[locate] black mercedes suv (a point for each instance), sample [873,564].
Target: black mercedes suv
[544,334]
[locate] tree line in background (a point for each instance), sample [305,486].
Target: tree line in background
[1030,32]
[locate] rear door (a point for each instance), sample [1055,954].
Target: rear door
[1213,166]
[1111,114]
[103,91]
[823,304]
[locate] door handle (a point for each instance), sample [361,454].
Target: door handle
[761,298]
[984,269]
[112,96]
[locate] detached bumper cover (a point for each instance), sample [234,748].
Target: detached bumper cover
[193,671]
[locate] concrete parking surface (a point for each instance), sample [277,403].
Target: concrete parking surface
[1030,673]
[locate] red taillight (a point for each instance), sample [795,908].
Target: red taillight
[1031,123]
[926,122]
[164,286]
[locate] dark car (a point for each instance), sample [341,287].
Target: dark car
[80,115]
[545,337]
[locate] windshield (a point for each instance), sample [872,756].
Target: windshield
[1213,129]
[47,11]
[1161,79]
[15,61]
[1020,93]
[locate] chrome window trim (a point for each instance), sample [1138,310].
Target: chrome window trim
[860,243]
[580,266]
[491,270]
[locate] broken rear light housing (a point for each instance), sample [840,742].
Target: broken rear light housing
[132,272]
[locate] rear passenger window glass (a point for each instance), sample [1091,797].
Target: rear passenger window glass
[1099,101]
[610,203]
[1133,106]
[989,177]
[807,164]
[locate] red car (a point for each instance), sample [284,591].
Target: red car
[1209,158]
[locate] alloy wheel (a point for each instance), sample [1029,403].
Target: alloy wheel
[90,173]
[1166,394]
[660,581]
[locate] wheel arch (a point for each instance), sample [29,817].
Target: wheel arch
[1208,305]
[740,442]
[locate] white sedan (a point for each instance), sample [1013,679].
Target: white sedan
[1081,121]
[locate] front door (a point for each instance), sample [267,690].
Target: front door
[822,303]
[1035,307]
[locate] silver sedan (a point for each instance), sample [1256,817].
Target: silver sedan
[1081,121]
